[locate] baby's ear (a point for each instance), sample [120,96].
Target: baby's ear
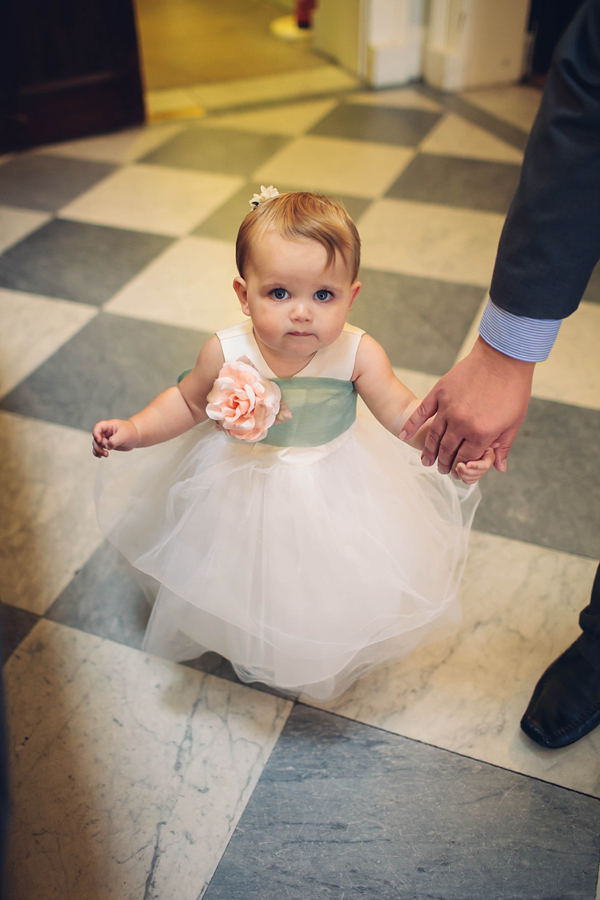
[354,289]
[239,286]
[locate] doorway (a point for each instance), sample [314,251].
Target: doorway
[192,42]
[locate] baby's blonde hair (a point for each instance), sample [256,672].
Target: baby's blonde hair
[302,215]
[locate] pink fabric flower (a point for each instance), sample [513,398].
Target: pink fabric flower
[243,403]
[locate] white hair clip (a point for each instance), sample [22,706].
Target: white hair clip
[265,194]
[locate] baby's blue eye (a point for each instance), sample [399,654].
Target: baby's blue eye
[323,295]
[279,294]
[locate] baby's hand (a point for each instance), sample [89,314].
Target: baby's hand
[114,434]
[473,470]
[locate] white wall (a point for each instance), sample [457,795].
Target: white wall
[454,44]
[475,43]
[381,41]
[338,32]
[395,35]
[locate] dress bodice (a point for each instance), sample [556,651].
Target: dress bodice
[321,397]
[335,361]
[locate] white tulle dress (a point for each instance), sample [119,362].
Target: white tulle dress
[305,559]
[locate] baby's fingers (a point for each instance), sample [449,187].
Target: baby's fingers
[467,475]
[473,470]
[101,434]
[98,450]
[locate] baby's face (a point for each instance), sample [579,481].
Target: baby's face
[298,304]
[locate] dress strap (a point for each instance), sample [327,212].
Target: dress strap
[239,341]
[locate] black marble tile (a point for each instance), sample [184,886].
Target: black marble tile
[227,151]
[112,367]
[592,292]
[343,810]
[500,128]
[78,261]
[548,495]
[15,625]
[104,598]
[452,181]
[379,124]
[420,322]
[355,206]
[45,182]
[224,223]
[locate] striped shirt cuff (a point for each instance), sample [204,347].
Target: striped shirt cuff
[529,340]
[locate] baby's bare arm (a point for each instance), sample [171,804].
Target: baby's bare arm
[173,412]
[391,402]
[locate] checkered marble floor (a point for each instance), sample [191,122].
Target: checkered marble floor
[137,778]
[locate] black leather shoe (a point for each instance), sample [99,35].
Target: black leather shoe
[565,704]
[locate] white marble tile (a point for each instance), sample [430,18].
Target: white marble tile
[404,98]
[154,199]
[120,147]
[48,526]
[571,374]
[517,104]
[454,136]
[129,773]
[190,285]
[291,119]
[467,693]
[318,80]
[32,329]
[429,240]
[15,224]
[336,165]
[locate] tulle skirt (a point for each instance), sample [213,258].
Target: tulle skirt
[305,567]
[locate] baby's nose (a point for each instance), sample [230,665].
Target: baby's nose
[301,310]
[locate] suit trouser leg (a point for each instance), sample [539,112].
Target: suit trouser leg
[589,620]
[565,704]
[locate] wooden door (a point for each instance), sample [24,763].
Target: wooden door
[68,68]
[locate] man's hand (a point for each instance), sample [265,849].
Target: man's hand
[480,403]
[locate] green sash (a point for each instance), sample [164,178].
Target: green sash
[321,408]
